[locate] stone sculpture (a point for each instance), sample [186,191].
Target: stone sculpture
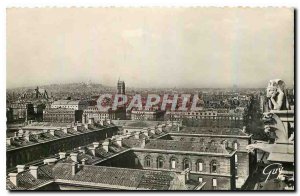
[277,95]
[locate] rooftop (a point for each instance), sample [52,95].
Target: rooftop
[100,176]
[41,136]
[186,146]
[137,124]
[68,102]
[212,131]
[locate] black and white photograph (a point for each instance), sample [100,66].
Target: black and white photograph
[150,99]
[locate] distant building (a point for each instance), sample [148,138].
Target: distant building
[97,115]
[21,111]
[65,115]
[34,94]
[121,87]
[35,100]
[147,114]
[69,104]
[209,117]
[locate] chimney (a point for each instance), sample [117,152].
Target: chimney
[93,150]
[74,168]
[105,145]
[62,155]
[65,130]
[143,143]
[119,141]
[75,128]
[145,131]
[83,161]
[163,126]
[159,127]
[224,143]
[21,131]
[8,141]
[34,171]
[82,150]
[27,137]
[13,177]
[152,130]
[20,168]
[128,134]
[50,161]
[137,135]
[185,175]
[52,132]
[96,144]
[74,157]
[79,127]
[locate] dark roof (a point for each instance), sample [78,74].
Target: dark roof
[185,146]
[124,177]
[27,181]
[212,131]
[132,142]
[44,137]
[155,181]
[138,124]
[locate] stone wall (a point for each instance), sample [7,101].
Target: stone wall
[223,182]
[137,159]
[243,157]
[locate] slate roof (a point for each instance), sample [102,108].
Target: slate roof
[132,142]
[109,176]
[185,146]
[27,181]
[212,131]
[44,137]
[135,123]
[133,178]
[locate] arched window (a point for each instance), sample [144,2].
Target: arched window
[148,161]
[213,166]
[186,164]
[200,165]
[173,162]
[160,162]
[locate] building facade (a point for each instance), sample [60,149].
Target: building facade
[69,104]
[65,115]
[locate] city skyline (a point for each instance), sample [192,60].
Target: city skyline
[191,48]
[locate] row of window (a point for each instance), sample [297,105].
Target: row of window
[160,163]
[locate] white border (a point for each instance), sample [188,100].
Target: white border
[108,3]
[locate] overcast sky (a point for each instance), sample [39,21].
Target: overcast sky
[195,47]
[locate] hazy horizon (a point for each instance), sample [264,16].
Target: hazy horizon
[150,47]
